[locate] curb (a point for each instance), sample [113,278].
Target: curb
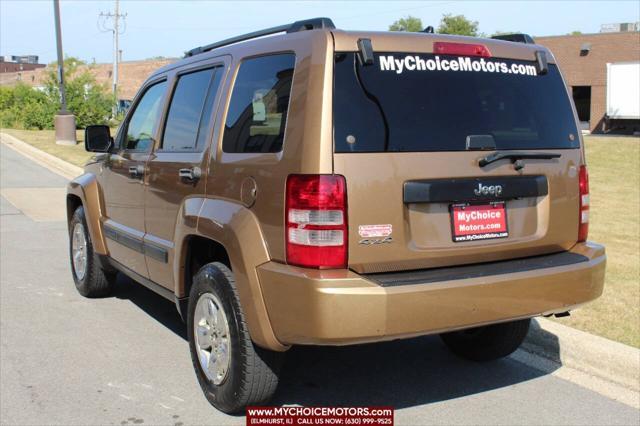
[594,355]
[44,159]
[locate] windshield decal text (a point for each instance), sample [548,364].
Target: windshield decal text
[461,63]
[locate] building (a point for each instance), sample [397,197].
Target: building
[583,60]
[620,27]
[131,75]
[24,59]
[19,63]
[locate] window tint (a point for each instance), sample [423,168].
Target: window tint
[258,110]
[139,135]
[207,111]
[410,103]
[190,111]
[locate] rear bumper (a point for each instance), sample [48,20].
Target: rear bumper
[337,307]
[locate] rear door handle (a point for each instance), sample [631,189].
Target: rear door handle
[136,172]
[192,174]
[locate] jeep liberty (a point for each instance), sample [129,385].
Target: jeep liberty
[328,187]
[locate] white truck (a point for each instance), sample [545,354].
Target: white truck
[623,95]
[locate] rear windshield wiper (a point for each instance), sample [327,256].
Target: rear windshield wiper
[365,58]
[514,156]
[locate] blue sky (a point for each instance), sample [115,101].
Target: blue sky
[168,28]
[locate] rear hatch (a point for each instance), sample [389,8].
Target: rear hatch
[410,132]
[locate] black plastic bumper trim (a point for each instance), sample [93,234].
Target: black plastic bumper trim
[452,273]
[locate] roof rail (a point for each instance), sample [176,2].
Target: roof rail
[516,38]
[306,24]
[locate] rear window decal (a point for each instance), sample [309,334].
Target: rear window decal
[461,63]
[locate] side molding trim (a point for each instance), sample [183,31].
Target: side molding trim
[134,243]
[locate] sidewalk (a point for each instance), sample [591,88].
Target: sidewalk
[602,365]
[44,159]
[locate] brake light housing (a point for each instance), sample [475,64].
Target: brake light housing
[316,221]
[583,218]
[464,49]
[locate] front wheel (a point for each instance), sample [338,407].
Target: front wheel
[90,277]
[487,343]
[231,370]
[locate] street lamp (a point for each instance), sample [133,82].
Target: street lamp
[64,122]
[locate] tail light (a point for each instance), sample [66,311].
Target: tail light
[316,221]
[583,228]
[466,49]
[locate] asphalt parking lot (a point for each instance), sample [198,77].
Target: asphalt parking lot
[124,359]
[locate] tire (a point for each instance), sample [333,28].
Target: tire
[251,375]
[487,343]
[92,280]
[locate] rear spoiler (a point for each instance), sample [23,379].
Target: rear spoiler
[541,55]
[516,38]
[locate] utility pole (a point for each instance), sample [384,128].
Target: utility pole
[116,17]
[117,30]
[64,121]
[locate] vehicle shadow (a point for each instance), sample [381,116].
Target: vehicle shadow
[162,310]
[401,373]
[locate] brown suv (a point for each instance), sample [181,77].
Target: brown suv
[324,187]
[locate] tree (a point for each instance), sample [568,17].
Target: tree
[409,24]
[89,101]
[575,33]
[459,25]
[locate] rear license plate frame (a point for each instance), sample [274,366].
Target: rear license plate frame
[470,236]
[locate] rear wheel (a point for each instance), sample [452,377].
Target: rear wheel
[231,370]
[487,343]
[91,279]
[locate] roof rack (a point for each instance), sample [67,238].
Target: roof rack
[307,24]
[516,38]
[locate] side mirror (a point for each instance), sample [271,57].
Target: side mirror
[97,139]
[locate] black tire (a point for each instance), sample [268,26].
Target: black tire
[487,343]
[96,281]
[252,376]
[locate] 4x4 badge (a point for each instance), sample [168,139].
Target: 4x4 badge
[374,241]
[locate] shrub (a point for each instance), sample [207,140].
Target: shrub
[23,106]
[89,101]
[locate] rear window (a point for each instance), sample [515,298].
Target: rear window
[421,102]
[257,112]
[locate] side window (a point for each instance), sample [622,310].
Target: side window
[139,134]
[258,110]
[190,111]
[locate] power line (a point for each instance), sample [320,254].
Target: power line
[110,22]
